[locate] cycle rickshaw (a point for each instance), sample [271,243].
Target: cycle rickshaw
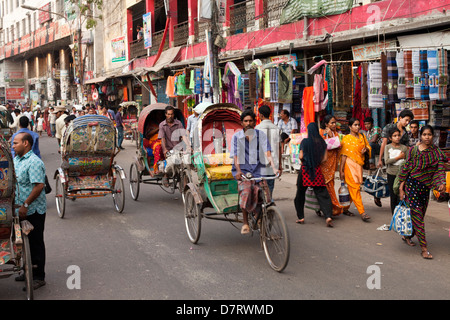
[131,110]
[149,164]
[212,186]
[88,169]
[15,256]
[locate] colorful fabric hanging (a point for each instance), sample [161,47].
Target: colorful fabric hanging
[433,74]
[285,78]
[443,73]
[401,87]
[375,86]
[392,76]
[409,76]
[424,88]
[416,73]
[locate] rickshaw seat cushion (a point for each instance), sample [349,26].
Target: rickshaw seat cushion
[217,159]
[219,172]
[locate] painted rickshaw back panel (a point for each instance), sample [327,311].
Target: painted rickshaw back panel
[88,153]
[7,189]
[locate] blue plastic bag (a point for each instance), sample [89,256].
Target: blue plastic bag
[401,220]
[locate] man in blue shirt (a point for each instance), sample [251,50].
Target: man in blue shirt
[31,200]
[23,127]
[249,149]
[119,126]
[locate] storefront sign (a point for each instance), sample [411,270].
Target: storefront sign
[118,49]
[14,93]
[285,58]
[371,50]
[44,13]
[147,29]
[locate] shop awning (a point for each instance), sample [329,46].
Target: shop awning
[165,59]
[96,80]
[438,39]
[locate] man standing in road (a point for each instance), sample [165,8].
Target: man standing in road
[61,114]
[273,136]
[249,151]
[119,126]
[24,122]
[30,196]
[52,119]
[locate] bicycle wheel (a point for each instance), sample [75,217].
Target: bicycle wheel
[134,181]
[60,194]
[275,239]
[27,267]
[192,217]
[118,193]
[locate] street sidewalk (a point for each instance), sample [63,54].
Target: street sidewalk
[285,189]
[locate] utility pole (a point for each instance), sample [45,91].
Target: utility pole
[215,51]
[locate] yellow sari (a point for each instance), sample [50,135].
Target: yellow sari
[353,171]
[328,170]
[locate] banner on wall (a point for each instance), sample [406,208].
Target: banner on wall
[147,20]
[297,9]
[118,49]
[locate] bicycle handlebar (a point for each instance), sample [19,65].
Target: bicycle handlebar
[244,177]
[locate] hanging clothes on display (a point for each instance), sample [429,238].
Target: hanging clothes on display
[392,76]
[433,74]
[409,76]
[416,73]
[424,88]
[443,73]
[285,78]
[401,87]
[375,86]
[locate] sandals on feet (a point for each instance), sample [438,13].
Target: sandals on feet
[348,213]
[426,254]
[300,221]
[365,217]
[329,223]
[408,241]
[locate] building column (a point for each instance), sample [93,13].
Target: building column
[64,75]
[259,14]
[150,7]
[226,24]
[129,31]
[173,6]
[192,15]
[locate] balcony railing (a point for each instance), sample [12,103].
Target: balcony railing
[137,49]
[242,17]
[156,41]
[181,33]
[200,28]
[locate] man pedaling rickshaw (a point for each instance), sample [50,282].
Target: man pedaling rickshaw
[249,149]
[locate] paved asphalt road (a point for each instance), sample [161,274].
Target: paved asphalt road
[144,253]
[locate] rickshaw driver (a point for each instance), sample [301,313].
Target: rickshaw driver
[248,147]
[171,132]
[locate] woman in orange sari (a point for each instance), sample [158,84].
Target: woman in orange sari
[353,147]
[329,167]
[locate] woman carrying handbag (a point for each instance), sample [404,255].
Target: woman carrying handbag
[329,166]
[313,152]
[423,170]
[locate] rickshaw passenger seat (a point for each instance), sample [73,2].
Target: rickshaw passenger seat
[218,166]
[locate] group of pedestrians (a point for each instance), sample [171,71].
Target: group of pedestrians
[410,156]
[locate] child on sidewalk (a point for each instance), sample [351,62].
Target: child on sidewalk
[394,156]
[40,124]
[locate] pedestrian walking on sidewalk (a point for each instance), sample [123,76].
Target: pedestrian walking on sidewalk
[423,170]
[313,152]
[353,147]
[329,166]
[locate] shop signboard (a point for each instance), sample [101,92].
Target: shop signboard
[372,50]
[14,93]
[118,49]
[147,20]
[297,9]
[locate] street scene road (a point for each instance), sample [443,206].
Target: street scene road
[95,253]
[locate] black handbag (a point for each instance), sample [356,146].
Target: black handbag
[48,188]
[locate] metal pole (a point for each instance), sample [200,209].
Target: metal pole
[215,52]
